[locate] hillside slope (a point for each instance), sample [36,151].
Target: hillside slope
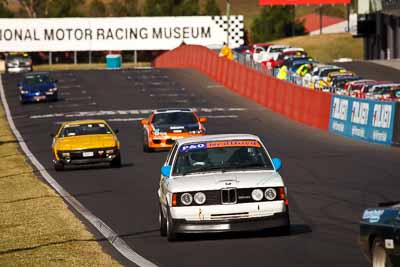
[327,47]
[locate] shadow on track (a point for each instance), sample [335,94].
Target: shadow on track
[295,229]
[96,167]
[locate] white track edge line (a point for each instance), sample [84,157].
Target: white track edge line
[118,243]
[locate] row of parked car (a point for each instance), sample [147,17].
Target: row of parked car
[325,77]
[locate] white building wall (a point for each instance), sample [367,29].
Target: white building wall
[335,28]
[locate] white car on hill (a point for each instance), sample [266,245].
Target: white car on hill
[262,54]
[220,183]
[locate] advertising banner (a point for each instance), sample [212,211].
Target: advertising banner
[368,120]
[125,33]
[301,2]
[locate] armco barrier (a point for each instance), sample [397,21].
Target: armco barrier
[368,120]
[300,104]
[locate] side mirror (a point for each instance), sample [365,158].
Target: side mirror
[116,131]
[277,163]
[55,81]
[19,84]
[203,120]
[52,135]
[144,122]
[166,171]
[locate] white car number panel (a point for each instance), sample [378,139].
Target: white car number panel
[87,154]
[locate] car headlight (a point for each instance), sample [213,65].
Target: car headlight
[158,133]
[23,92]
[270,194]
[200,131]
[257,194]
[53,89]
[65,154]
[200,198]
[186,199]
[110,151]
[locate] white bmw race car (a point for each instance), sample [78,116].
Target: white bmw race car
[220,183]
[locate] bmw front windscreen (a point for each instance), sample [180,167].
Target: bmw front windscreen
[221,156]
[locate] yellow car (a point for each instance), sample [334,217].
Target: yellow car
[85,142]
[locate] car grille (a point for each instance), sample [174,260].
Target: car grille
[226,196]
[78,154]
[169,141]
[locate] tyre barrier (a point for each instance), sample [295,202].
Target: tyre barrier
[300,104]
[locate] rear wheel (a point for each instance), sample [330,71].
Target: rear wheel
[58,166]
[379,256]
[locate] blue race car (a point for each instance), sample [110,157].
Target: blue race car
[36,87]
[380,234]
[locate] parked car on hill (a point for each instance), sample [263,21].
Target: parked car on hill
[376,90]
[266,54]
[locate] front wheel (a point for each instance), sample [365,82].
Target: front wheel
[21,100]
[163,222]
[58,166]
[116,162]
[146,147]
[171,234]
[379,256]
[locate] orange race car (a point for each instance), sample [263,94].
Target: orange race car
[164,126]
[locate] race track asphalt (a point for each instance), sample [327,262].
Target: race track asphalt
[370,70]
[330,179]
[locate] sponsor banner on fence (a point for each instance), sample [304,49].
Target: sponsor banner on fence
[126,33]
[362,119]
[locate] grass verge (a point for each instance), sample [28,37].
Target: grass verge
[93,66]
[327,47]
[36,226]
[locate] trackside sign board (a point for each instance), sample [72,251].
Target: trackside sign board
[362,119]
[125,33]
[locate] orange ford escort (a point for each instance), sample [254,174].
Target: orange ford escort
[164,126]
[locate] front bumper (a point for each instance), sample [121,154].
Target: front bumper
[234,225]
[77,158]
[18,69]
[38,98]
[167,141]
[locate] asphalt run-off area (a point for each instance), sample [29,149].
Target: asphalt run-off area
[330,179]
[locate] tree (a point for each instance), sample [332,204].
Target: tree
[187,8]
[124,8]
[158,7]
[62,8]
[50,8]
[33,8]
[171,8]
[211,8]
[4,11]
[275,22]
[97,9]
